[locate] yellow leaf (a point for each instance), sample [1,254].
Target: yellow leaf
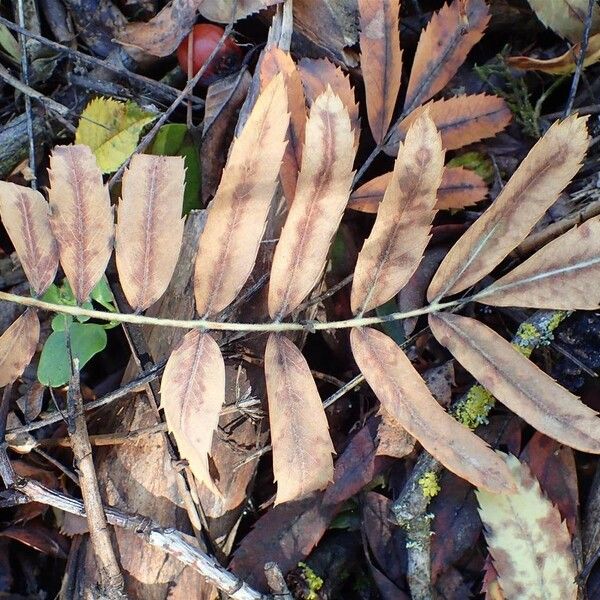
[111,129]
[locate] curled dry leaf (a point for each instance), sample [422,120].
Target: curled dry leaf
[529,544]
[302,448]
[321,196]
[443,47]
[26,217]
[391,254]
[461,120]
[236,220]
[566,17]
[149,227]
[17,346]
[381,61]
[517,382]
[534,187]
[221,11]
[570,263]
[276,61]
[82,218]
[405,396]
[192,393]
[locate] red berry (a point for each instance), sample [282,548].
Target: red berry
[206,37]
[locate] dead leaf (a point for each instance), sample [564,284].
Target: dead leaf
[517,382]
[529,543]
[566,17]
[443,47]
[570,263]
[31,402]
[82,218]
[534,187]
[149,228]
[302,448]
[236,220]
[192,394]
[405,396]
[26,217]
[321,196]
[17,346]
[221,11]
[381,61]
[392,252]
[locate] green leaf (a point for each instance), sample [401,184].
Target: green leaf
[9,44]
[111,129]
[392,328]
[87,340]
[52,295]
[102,294]
[174,140]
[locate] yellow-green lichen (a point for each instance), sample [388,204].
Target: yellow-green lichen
[429,484]
[474,409]
[313,581]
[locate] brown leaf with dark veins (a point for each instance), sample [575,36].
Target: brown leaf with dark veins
[17,346]
[321,196]
[405,396]
[381,61]
[517,382]
[302,448]
[392,252]
[534,187]
[192,394]
[26,217]
[443,47]
[149,228]
[236,220]
[82,218]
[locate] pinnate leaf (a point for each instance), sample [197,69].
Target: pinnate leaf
[17,346]
[404,395]
[529,543]
[302,448]
[149,228]
[26,217]
[518,383]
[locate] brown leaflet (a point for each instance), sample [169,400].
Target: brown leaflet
[443,47]
[317,74]
[82,218]
[534,187]
[149,228]
[220,11]
[321,196]
[302,448]
[566,17]
[517,382]
[276,61]
[381,61]
[26,217]
[17,346]
[398,239]
[404,394]
[461,120]
[192,393]
[570,263]
[236,220]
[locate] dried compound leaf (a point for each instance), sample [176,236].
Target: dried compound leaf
[321,196]
[534,187]
[570,263]
[302,448]
[443,47]
[236,220]
[404,395]
[392,252]
[26,217]
[149,227]
[192,394]
[518,383]
[381,61]
[17,346]
[529,544]
[566,17]
[82,218]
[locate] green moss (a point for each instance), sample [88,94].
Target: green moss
[430,485]
[313,581]
[474,409]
